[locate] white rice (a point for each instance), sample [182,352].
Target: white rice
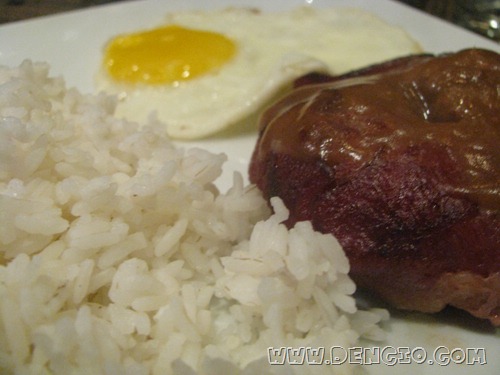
[118,255]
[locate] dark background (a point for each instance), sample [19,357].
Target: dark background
[16,10]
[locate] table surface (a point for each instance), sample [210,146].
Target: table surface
[16,10]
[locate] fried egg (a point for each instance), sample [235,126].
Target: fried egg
[204,71]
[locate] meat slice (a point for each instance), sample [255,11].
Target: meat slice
[400,161]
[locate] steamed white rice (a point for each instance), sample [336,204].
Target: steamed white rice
[118,255]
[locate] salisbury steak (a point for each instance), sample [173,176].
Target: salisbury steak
[400,162]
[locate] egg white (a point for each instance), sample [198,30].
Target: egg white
[272,50]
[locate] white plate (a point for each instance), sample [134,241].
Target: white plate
[72,44]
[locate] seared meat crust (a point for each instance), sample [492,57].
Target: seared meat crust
[400,162]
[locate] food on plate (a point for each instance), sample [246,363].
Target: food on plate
[400,161]
[203,71]
[119,255]
[168,54]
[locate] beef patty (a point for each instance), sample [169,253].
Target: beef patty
[400,161]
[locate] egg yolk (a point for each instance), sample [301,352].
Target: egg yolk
[166,55]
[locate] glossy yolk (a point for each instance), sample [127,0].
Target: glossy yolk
[166,55]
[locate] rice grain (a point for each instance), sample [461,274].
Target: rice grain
[119,255]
